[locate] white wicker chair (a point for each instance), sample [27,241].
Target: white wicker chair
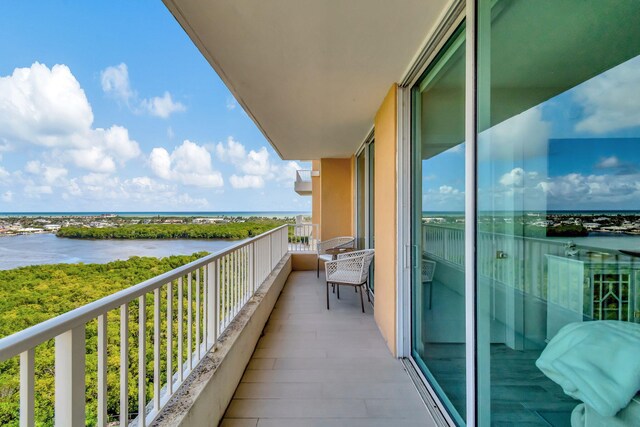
[428,271]
[336,242]
[351,269]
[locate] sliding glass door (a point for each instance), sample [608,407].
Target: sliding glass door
[555,289]
[438,215]
[558,207]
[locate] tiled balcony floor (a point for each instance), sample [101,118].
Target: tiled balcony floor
[315,367]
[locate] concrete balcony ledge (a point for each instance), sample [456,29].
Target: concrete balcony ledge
[206,393]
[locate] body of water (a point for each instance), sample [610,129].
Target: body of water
[605,241]
[33,249]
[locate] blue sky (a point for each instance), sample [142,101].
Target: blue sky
[108,106]
[579,150]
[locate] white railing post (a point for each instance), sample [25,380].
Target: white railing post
[27,383]
[69,378]
[169,338]
[270,252]
[180,332]
[142,360]
[102,370]
[156,349]
[124,365]
[189,324]
[212,304]
[252,270]
[198,355]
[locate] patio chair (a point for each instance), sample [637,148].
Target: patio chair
[350,269]
[428,271]
[336,242]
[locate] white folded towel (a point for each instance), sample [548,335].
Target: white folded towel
[584,416]
[596,362]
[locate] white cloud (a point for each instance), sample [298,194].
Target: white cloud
[189,164]
[534,191]
[246,181]
[517,177]
[162,106]
[234,152]
[135,193]
[160,162]
[37,190]
[608,162]
[116,141]
[7,196]
[47,107]
[115,82]
[447,189]
[49,174]
[610,100]
[255,163]
[526,135]
[43,106]
[93,159]
[231,103]
[4,174]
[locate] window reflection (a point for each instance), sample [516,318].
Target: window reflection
[558,212]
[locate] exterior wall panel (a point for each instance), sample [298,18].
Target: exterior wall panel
[386,126]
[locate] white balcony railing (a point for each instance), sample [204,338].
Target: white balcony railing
[304,237]
[196,302]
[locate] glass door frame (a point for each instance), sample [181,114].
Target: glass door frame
[367,229]
[459,11]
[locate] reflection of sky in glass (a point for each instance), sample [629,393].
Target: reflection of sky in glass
[579,150]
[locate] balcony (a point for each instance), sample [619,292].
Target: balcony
[302,185]
[322,367]
[182,360]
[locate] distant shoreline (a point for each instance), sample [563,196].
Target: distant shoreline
[156,214]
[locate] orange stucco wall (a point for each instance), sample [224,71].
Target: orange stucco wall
[385,228]
[336,198]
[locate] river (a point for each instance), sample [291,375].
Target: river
[33,249]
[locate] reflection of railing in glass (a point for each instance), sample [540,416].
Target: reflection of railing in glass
[594,284]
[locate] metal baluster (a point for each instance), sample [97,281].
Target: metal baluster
[142,360]
[27,382]
[198,313]
[169,338]
[180,334]
[102,370]
[70,378]
[124,365]
[189,324]
[156,349]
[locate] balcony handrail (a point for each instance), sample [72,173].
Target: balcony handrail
[21,341]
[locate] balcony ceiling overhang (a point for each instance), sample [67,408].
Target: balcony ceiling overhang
[310,73]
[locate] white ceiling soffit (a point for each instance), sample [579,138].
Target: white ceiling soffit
[311,73]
